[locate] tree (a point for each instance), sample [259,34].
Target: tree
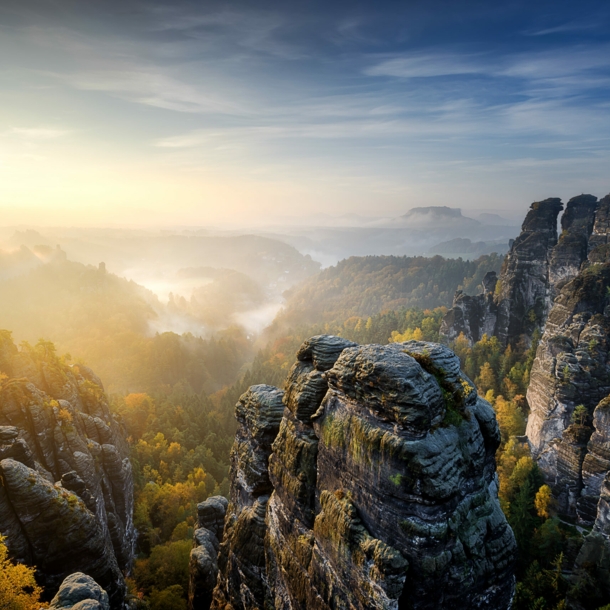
[18,588]
[510,418]
[543,501]
[486,379]
[580,415]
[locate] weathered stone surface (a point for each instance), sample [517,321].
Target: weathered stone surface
[472,316]
[241,579]
[80,592]
[524,292]
[596,463]
[388,501]
[520,299]
[59,441]
[573,245]
[572,367]
[211,514]
[600,236]
[323,350]
[203,565]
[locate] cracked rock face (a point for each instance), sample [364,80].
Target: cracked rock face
[520,298]
[203,564]
[382,488]
[572,367]
[67,500]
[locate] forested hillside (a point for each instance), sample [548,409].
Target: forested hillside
[110,323]
[363,286]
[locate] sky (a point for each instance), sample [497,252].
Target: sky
[228,113]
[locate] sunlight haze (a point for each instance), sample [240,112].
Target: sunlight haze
[206,113]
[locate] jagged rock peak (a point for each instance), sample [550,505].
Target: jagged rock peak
[66,504]
[572,247]
[516,302]
[524,296]
[541,218]
[385,497]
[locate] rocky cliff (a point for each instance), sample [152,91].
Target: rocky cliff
[369,483]
[66,498]
[572,368]
[534,271]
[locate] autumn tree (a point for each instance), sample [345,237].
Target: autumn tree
[18,588]
[543,501]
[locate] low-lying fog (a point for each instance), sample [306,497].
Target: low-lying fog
[207,280]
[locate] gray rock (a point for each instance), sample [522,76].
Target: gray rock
[80,592]
[211,514]
[323,350]
[571,368]
[384,498]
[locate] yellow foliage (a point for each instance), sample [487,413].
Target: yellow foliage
[510,418]
[507,461]
[486,379]
[64,416]
[18,588]
[133,401]
[543,501]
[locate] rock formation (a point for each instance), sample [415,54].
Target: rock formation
[523,294]
[573,245]
[572,368]
[369,483]
[66,501]
[561,287]
[204,556]
[472,316]
[533,272]
[80,592]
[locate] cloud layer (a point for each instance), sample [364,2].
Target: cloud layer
[303,108]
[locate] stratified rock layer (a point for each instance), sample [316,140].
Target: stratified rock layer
[203,564]
[383,490]
[67,499]
[241,580]
[571,368]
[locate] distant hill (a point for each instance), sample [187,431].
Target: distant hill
[363,286]
[435,217]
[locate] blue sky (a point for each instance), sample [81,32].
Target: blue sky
[216,112]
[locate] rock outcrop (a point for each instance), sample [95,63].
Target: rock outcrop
[66,501]
[380,489]
[572,368]
[519,299]
[472,316]
[573,245]
[80,592]
[241,580]
[204,556]
[524,292]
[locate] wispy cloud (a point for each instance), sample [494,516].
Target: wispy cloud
[573,26]
[425,66]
